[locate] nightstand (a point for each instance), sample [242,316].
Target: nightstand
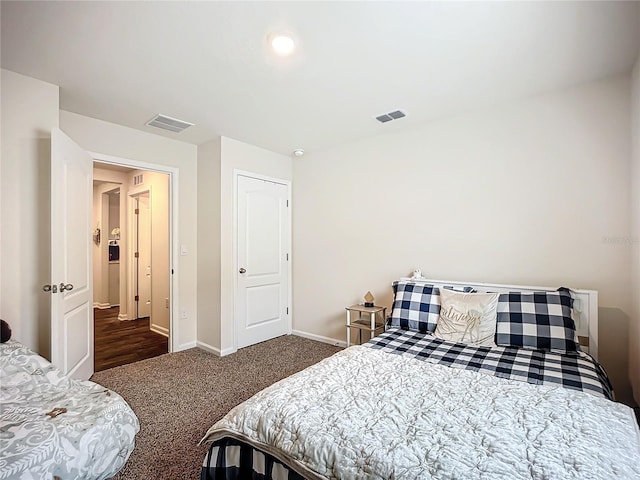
[369,319]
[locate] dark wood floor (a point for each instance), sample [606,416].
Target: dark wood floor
[121,342]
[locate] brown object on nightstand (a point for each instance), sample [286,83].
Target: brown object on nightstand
[370,319]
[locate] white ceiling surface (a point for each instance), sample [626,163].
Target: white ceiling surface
[208,62]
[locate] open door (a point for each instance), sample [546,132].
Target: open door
[71,257]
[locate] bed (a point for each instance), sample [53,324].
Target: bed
[529,404]
[53,427]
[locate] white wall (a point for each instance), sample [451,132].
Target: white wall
[209,164]
[111,139]
[29,111]
[530,192]
[634,337]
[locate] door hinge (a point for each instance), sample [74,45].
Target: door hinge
[287,203]
[287,257]
[137,298]
[287,310]
[172,271]
[137,211]
[136,254]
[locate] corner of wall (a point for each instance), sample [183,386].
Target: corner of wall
[208,219]
[634,337]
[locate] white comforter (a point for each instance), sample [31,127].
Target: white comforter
[363,413]
[55,427]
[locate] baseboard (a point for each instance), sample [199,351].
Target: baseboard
[228,351]
[208,348]
[161,330]
[186,346]
[122,316]
[101,306]
[319,338]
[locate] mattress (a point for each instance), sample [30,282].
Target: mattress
[407,405]
[55,427]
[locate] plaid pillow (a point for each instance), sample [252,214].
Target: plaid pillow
[537,321]
[417,306]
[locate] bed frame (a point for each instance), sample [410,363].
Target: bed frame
[585,306]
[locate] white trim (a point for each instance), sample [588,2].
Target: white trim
[585,304]
[102,306]
[161,330]
[320,338]
[185,346]
[122,317]
[216,351]
[208,348]
[234,247]
[174,235]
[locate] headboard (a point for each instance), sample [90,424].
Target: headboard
[585,306]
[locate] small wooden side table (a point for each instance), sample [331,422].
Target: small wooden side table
[370,319]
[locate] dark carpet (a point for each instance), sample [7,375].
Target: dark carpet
[178,396]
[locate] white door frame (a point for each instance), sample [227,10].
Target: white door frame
[244,173]
[174,236]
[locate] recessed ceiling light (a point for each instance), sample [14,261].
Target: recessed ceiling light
[298,152]
[283,44]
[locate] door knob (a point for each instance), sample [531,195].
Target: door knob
[242,270]
[64,287]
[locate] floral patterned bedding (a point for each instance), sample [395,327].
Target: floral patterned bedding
[55,427]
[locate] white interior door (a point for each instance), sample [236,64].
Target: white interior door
[71,257]
[262,294]
[144,255]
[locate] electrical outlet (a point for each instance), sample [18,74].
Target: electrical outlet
[183,313]
[166,303]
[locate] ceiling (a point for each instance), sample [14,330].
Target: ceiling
[208,62]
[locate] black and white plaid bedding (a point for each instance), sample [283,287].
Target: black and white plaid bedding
[577,371]
[231,459]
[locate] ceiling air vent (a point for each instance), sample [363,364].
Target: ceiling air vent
[169,123]
[387,117]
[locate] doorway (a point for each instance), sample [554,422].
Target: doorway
[262,240]
[132,310]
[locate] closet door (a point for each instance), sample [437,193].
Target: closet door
[262,293]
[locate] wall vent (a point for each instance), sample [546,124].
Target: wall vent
[387,117]
[137,180]
[169,123]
